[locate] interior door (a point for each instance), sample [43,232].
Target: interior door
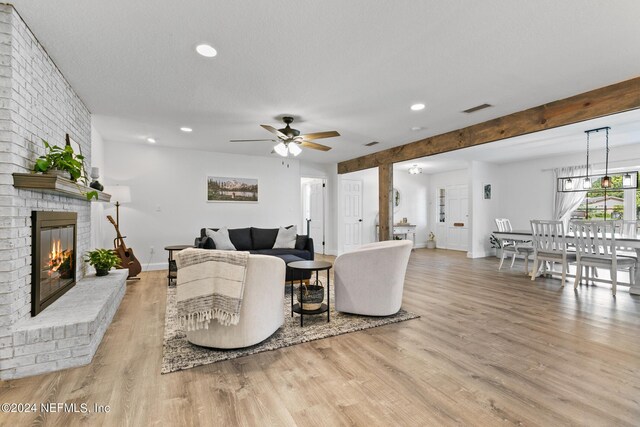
[457,217]
[316,215]
[352,213]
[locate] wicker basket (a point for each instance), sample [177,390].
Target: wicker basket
[313,296]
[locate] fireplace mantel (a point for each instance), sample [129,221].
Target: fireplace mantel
[55,185]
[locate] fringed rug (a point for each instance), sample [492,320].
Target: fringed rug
[179,354]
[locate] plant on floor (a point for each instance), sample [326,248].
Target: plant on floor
[495,242]
[64,159]
[432,237]
[102,260]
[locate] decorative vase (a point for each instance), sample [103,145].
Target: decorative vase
[431,244]
[313,296]
[60,173]
[102,271]
[96,185]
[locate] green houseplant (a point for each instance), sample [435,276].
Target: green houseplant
[64,161]
[102,260]
[496,244]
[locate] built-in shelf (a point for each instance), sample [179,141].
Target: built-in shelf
[55,185]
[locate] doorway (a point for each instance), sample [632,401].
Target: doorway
[351,195]
[457,217]
[313,206]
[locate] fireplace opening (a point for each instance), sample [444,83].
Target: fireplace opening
[53,262]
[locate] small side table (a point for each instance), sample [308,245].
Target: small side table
[312,266]
[173,269]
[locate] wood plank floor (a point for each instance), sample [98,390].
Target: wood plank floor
[491,348]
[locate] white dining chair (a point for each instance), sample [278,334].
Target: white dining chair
[513,247]
[595,243]
[549,245]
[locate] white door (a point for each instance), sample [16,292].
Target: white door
[316,215]
[352,213]
[457,217]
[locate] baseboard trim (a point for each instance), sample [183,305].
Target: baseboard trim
[155,266]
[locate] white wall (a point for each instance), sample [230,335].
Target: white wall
[483,211]
[168,191]
[97,209]
[414,202]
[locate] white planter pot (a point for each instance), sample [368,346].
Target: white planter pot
[431,244]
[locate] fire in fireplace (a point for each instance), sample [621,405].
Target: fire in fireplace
[53,259]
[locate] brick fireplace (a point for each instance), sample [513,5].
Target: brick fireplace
[36,103]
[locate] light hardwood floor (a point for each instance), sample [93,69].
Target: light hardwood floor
[491,348]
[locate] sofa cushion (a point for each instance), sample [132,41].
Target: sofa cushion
[286,238]
[263,238]
[241,238]
[221,239]
[306,255]
[207,243]
[301,242]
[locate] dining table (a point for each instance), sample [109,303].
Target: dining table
[622,241]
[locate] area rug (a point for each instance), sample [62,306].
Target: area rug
[179,354]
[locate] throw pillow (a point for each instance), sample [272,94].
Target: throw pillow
[221,239]
[301,242]
[286,238]
[241,238]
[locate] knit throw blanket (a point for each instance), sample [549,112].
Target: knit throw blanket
[210,286]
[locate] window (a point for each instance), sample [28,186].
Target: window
[613,203]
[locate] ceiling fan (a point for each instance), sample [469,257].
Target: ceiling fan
[289,139]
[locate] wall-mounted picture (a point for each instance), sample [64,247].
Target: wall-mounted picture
[487,191]
[226,189]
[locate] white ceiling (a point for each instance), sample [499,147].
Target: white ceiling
[353,66]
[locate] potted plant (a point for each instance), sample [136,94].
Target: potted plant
[102,260]
[312,295]
[431,243]
[65,163]
[496,244]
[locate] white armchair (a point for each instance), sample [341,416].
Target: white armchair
[370,280]
[261,313]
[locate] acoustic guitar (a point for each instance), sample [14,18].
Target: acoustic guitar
[127,258]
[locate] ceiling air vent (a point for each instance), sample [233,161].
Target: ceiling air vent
[372,143]
[477,108]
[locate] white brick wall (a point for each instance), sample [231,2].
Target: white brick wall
[36,102]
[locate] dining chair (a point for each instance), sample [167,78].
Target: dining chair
[595,243]
[549,245]
[513,247]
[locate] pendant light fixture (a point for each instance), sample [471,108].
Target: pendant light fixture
[414,170]
[626,180]
[606,179]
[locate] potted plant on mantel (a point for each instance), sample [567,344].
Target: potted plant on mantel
[65,163]
[102,260]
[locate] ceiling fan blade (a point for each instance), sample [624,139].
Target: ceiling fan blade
[275,131]
[318,135]
[250,140]
[315,146]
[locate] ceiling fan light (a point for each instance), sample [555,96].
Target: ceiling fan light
[414,170]
[281,149]
[294,149]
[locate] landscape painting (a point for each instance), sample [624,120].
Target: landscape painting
[225,189]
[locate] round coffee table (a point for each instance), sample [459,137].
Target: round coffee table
[173,269]
[312,266]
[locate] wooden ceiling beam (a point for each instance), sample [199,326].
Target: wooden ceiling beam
[616,98]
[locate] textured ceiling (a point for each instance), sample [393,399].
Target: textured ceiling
[353,66]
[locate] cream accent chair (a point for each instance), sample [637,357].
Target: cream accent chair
[370,280]
[261,313]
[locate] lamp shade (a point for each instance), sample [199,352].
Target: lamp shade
[119,193]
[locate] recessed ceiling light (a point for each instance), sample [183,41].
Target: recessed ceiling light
[206,50]
[186,129]
[417,107]
[151,140]
[416,128]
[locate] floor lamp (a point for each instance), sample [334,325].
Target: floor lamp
[121,194]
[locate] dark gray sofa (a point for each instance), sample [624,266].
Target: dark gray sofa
[260,241]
